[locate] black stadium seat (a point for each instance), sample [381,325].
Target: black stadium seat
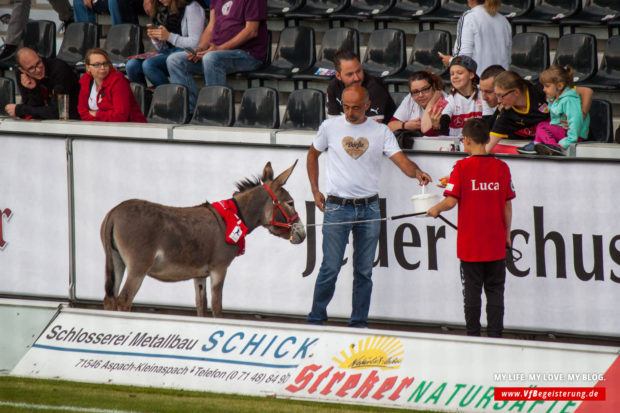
[548,12]
[40,36]
[305,110]
[593,13]
[279,8]
[448,12]
[7,93]
[601,122]
[259,109]
[295,53]
[143,96]
[333,40]
[214,107]
[385,53]
[317,9]
[123,40]
[398,97]
[407,10]
[77,40]
[363,9]
[515,8]
[529,55]
[169,105]
[608,75]
[579,51]
[425,55]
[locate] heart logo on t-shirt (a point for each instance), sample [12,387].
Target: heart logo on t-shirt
[355,147]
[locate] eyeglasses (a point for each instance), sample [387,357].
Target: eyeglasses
[420,91]
[36,66]
[505,94]
[99,65]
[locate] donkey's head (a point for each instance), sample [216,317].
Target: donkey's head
[280,216]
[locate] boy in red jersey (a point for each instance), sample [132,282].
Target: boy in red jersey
[482,187]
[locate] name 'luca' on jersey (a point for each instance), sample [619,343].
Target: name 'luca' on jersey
[484,186]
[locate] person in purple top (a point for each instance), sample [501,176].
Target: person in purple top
[235,40]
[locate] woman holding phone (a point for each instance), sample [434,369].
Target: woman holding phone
[175,27]
[426,90]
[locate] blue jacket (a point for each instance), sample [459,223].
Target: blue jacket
[568,106]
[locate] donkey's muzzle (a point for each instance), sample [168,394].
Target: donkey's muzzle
[298,233]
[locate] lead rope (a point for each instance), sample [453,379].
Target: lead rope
[379,219]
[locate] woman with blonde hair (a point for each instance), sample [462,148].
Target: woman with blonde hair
[174,27]
[105,94]
[484,35]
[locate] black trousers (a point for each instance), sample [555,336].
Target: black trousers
[490,275]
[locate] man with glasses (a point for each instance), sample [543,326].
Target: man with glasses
[349,72]
[40,81]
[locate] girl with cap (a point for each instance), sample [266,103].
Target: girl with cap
[463,102]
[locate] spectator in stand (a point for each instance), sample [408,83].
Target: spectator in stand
[349,72]
[40,81]
[426,89]
[487,80]
[175,26]
[552,138]
[84,10]
[19,19]
[523,107]
[483,34]
[105,94]
[236,39]
[464,100]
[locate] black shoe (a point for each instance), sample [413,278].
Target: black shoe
[7,51]
[549,150]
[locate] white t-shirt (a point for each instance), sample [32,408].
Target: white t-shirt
[353,157]
[461,108]
[409,109]
[486,39]
[92,99]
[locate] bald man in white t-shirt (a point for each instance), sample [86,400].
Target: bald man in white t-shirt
[356,145]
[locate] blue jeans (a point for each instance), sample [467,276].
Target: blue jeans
[335,239]
[81,13]
[214,66]
[152,69]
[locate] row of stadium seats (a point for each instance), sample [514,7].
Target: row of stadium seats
[296,58]
[259,108]
[565,13]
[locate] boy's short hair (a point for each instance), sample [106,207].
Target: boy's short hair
[477,130]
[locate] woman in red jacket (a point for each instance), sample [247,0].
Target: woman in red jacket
[105,94]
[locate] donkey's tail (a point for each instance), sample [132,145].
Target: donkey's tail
[107,227]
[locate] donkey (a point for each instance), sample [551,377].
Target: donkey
[181,243]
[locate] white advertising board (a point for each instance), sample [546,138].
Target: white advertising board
[34,216]
[564,222]
[358,366]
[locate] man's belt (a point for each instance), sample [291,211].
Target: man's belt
[351,201]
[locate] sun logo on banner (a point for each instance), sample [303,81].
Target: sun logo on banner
[373,352]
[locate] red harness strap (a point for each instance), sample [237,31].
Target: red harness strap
[235,228]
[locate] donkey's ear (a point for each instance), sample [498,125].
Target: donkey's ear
[267,173]
[283,177]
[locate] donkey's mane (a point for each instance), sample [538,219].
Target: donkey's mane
[248,183]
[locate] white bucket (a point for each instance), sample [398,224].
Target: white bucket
[423,202]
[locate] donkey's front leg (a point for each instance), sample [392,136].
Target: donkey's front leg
[200,287]
[217,285]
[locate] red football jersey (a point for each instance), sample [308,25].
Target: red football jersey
[482,185]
